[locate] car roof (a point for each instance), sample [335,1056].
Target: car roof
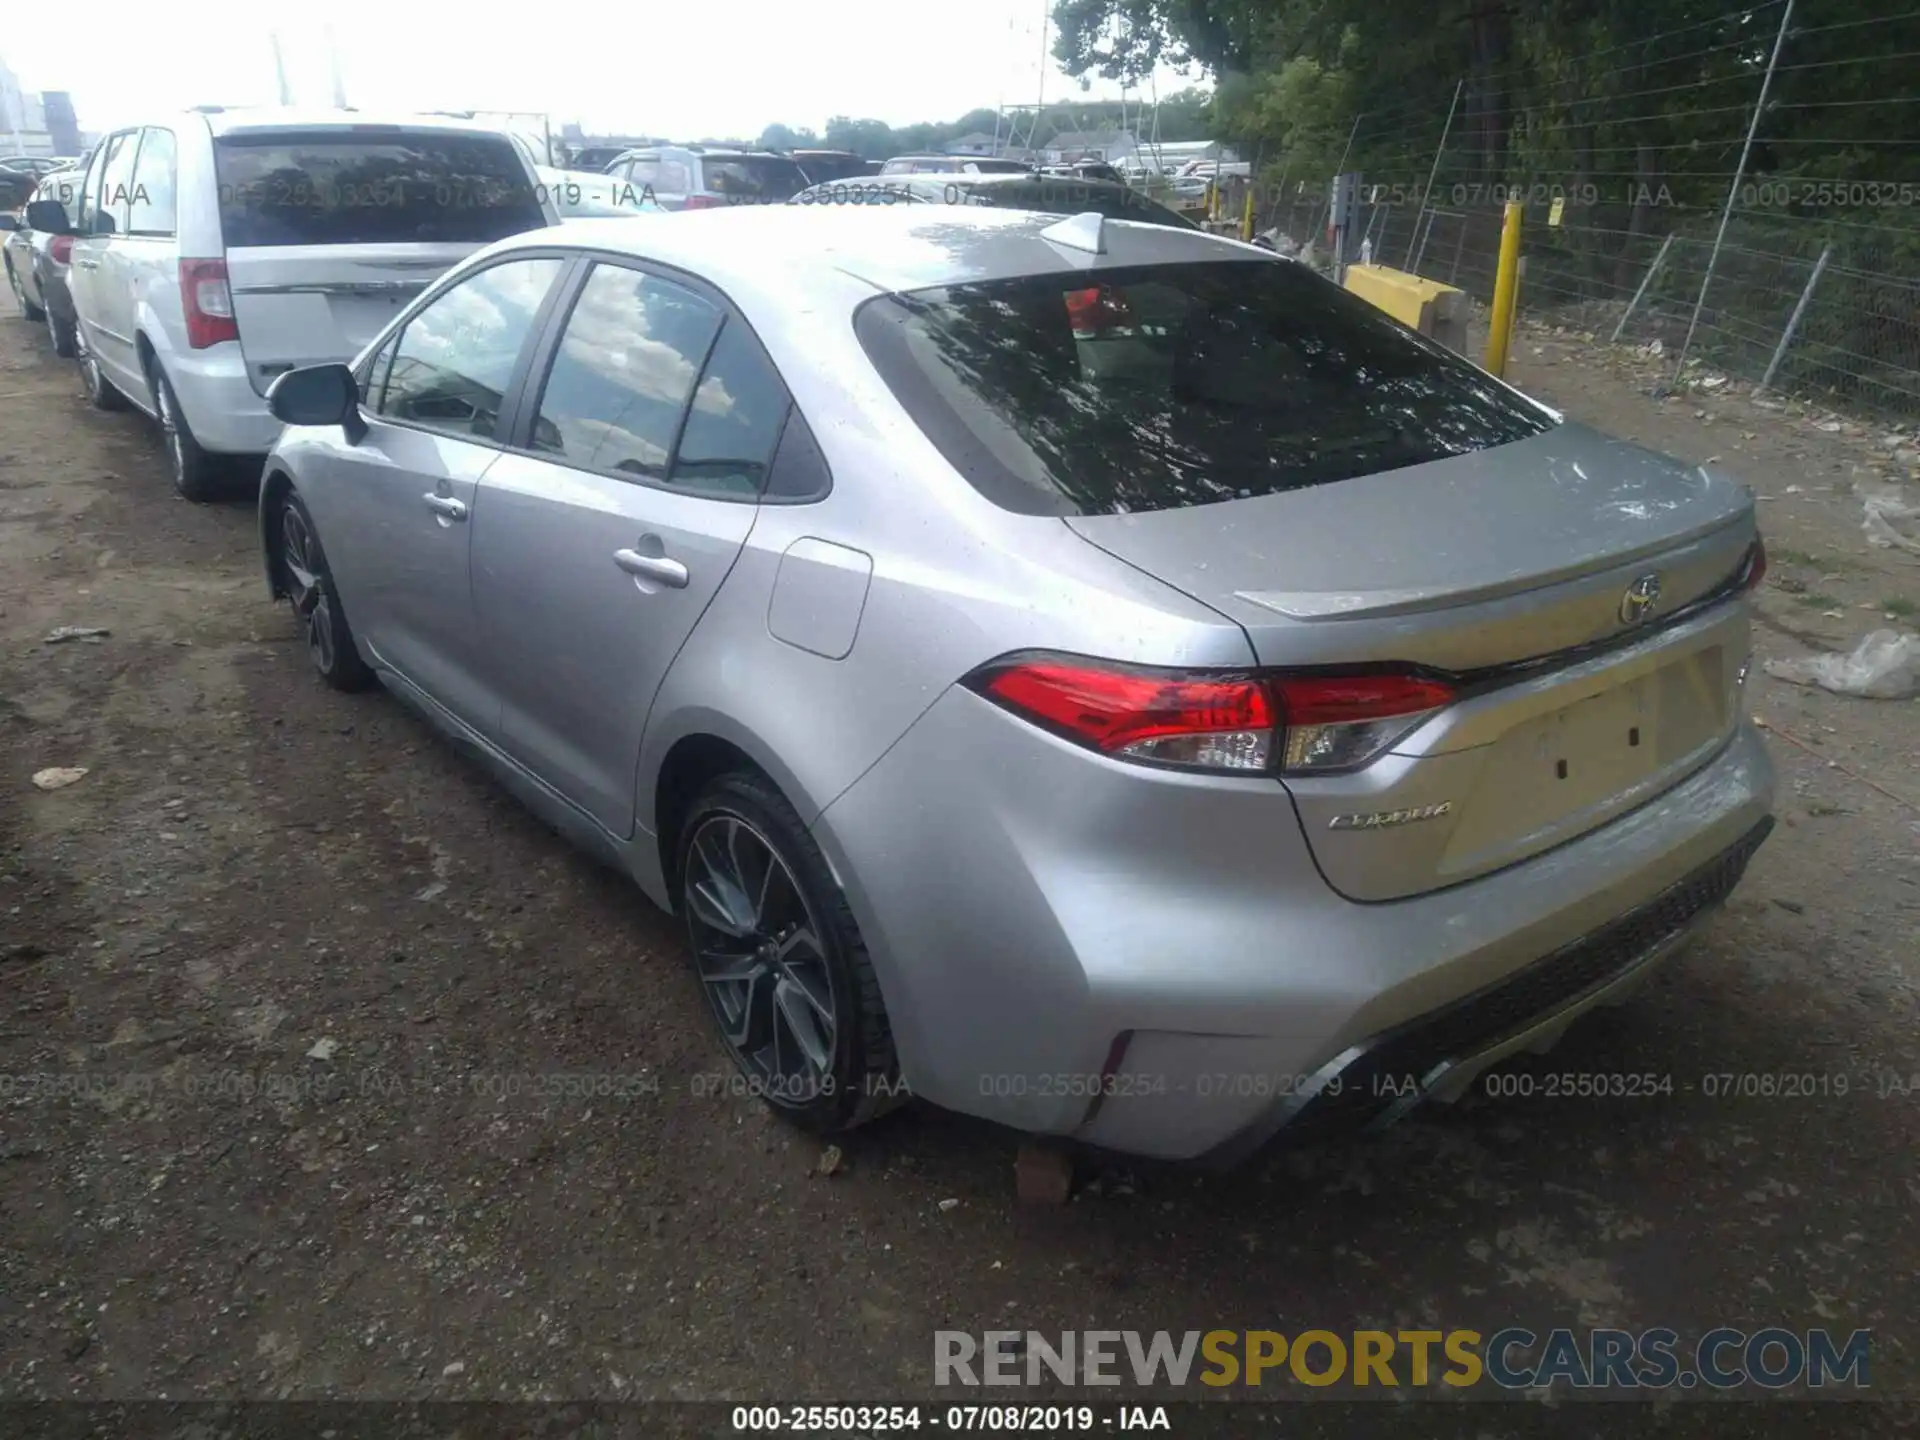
[820,248]
[240,121]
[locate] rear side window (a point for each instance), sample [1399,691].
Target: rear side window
[359,188]
[1159,387]
[735,420]
[456,358]
[749,178]
[623,372]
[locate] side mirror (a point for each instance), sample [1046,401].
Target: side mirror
[50,216]
[8,222]
[318,395]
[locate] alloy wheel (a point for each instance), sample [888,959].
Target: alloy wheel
[761,960]
[306,587]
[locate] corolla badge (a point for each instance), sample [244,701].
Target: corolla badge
[1642,595]
[1382,819]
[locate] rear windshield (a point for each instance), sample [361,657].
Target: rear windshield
[771,178]
[1160,387]
[356,189]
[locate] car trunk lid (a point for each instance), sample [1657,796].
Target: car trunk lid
[1508,570]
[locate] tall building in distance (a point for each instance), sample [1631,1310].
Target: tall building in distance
[23,120]
[63,126]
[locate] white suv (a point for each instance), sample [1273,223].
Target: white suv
[224,248]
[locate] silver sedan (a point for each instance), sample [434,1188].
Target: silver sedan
[1086,674]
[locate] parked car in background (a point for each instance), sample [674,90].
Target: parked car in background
[954,165]
[575,193]
[18,175]
[698,177]
[216,251]
[821,166]
[36,263]
[595,158]
[1086,170]
[1311,720]
[1052,194]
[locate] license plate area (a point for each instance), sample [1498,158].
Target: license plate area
[1573,767]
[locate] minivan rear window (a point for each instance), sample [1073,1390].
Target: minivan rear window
[1166,386]
[746,178]
[356,188]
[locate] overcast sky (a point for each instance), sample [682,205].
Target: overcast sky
[681,70]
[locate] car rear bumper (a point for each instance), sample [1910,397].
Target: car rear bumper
[220,403]
[1150,961]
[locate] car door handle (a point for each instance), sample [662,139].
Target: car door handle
[652,567]
[87,264]
[446,506]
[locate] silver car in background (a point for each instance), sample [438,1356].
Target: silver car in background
[36,262]
[1091,675]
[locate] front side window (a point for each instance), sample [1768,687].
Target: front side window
[116,186]
[456,357]
[151,207]
[623,372]
[1165,386]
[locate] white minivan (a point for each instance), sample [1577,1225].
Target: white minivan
[224,248]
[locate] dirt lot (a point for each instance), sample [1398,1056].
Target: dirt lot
[198,1199]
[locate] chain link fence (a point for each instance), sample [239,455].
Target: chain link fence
[1735,196]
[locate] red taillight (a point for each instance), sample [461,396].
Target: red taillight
[208,303]
[704,202]
[1343,722]
[1098,308]
[1197,721]
[1754,568]
[60,247]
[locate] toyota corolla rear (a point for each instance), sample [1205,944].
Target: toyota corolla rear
[1484,762]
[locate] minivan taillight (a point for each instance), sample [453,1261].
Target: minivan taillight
[208,303]
[1232,722]
[704,202]
[60,247]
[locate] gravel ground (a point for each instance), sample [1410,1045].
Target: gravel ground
[285,984]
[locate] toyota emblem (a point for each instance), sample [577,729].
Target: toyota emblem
[1637,604]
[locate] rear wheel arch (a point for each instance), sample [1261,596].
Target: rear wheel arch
[275,486]
[691,764]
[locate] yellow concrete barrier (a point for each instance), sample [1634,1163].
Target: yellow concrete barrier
[1435,310]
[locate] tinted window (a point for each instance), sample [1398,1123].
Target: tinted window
[799,469]
[623,371]
[1176,385]
[116,186]
[1071,197]
[735,420]
[456,357]
[753,177]
[151,208]
[357,189]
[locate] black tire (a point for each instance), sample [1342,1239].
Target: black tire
[197,475]
[60,332]
[861,1079]
[28,310]
[101,393]
[316,602]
